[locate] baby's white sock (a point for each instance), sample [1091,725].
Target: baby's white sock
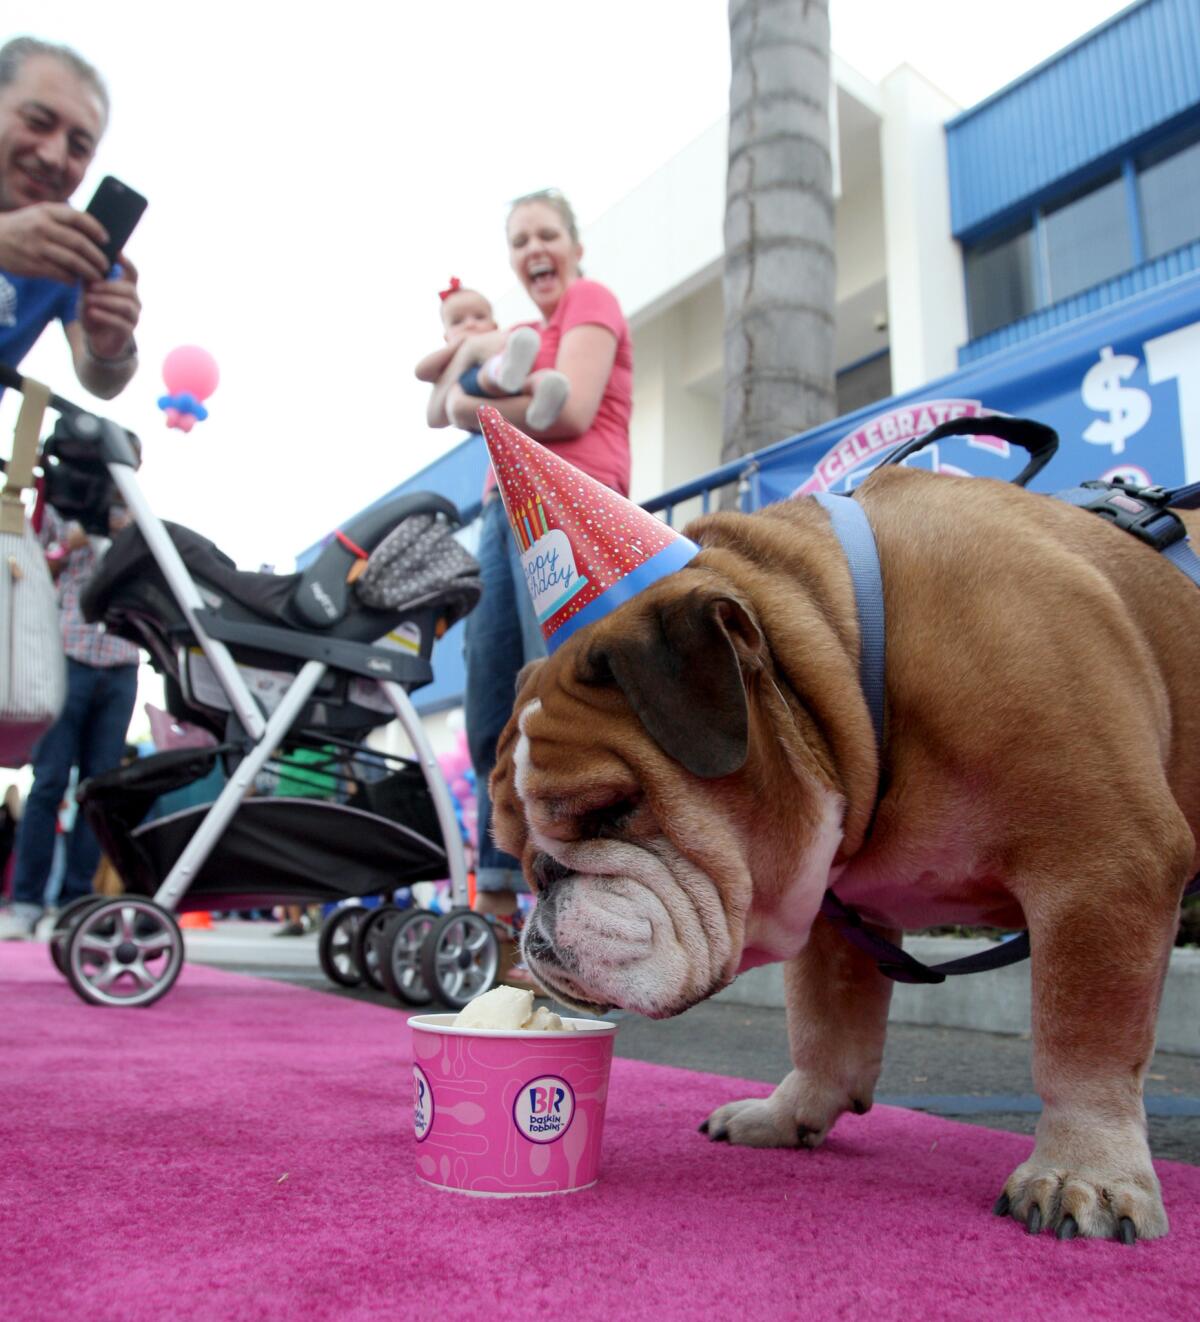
[550,393]
[510,368]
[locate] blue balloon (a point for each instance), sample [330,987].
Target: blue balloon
[183,403]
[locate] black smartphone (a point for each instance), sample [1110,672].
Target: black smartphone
[118,208]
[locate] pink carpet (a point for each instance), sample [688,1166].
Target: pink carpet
[244,1149]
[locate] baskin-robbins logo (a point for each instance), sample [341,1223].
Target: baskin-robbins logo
[422,1104]
[547,559]
[544,1108]
[862,449]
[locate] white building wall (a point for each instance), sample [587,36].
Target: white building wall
[926,301]
[676,432]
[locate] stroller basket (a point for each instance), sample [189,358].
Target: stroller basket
[275,850]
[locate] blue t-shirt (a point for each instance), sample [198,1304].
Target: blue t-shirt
[28,304]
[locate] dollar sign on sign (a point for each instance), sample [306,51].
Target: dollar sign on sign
[1127,407]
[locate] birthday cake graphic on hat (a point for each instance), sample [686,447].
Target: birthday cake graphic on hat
[584,548]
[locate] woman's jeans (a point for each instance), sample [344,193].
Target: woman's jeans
[502,633]
[89,734]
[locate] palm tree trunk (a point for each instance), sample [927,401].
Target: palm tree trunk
[779,280]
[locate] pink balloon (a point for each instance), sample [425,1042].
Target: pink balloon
[192,371]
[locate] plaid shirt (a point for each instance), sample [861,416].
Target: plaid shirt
[87,643]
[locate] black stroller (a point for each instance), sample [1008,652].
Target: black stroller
[279,668]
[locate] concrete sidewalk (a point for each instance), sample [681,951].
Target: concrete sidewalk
[233,942]
[995,1002]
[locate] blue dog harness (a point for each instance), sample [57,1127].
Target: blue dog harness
[1144,512]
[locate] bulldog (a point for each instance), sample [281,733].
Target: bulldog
[684,778]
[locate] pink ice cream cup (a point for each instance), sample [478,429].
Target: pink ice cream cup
[508,1113]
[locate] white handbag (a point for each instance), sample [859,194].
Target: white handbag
[33,669]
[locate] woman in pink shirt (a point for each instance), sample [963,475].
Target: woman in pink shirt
[585,337]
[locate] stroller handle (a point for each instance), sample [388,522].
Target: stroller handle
[112,441]
[11,379]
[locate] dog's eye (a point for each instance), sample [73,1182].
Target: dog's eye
[609,820]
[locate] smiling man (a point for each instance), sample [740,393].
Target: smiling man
[53,112]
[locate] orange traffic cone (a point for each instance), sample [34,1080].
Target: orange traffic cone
[201,918]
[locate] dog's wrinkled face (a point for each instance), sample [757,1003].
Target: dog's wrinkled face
[632,783]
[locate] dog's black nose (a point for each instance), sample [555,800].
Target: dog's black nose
[537,944]
[547,870]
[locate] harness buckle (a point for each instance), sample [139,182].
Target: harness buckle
[1138,510]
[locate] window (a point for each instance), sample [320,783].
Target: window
[864,383]
[1000,283]
[1141,209]
[1087,240]
[1169,197]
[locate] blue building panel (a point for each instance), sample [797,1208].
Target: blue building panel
[1129,79]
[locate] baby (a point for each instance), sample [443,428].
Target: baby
[486,361]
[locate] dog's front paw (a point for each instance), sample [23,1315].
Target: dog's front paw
[755,1123]
[1101,1188]
[798,1114]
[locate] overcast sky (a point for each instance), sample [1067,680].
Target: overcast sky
[316,172]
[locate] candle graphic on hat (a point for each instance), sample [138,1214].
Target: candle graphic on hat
[584,548]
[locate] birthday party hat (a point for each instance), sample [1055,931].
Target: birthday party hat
[584,548]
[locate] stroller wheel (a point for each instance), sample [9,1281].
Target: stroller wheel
[64,924]
[400,969]
[372,941]
[124,951]
[335,949]
[460,958]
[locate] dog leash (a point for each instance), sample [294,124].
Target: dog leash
[1145,512]
[853,531]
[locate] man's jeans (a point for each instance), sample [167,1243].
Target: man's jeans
[502,633]
[89,734]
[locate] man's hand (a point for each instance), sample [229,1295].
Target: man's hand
[109,311]
[102,339]
[53,240]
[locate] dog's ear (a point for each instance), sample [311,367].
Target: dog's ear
[682,672]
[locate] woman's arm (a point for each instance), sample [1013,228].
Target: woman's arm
[585,357]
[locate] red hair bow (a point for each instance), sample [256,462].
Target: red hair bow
[454,287]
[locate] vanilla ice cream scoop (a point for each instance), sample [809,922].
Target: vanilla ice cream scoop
[507,1007]
[545,1020]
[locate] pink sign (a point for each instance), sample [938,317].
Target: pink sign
[868,443]
[509,1113]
